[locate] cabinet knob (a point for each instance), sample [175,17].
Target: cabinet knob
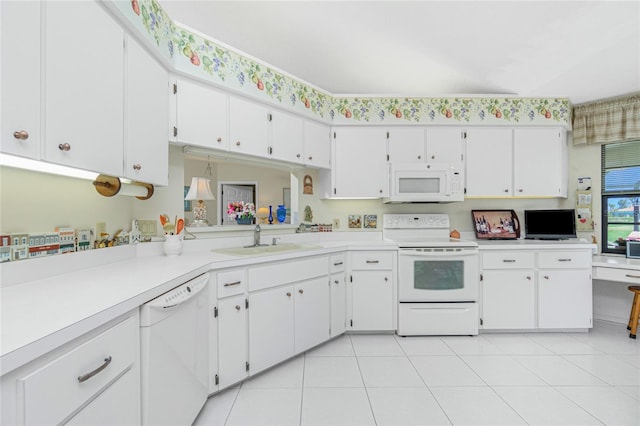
[311,157]
[237,143]
[238,307]
[288,294]
[137,167]
[386,278]
[546,277]
[529,278]
[433,157]
[520,190]
[22,135]
[219,140]
[64,147]
[301,291]
[337,282]
[506,190]
[381,191]
[298,155]
[419,157]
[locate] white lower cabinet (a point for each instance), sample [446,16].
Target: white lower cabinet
[80,382]
[271,327]
[338,304]
[312,320]
[373,296]
[232,340]
[536,289]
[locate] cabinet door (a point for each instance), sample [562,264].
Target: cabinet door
[286,137]
[564,299]
[338,304]
[444,145]
[232,340]
[271,327]
[540,163]
[508,299]
[123,394]
[360,162]
[489,163]
[146,114]
[84,87]
[248,127]
[20,78]
[372,300]
[311,313]
[407,145]
[201,116]
[317,144]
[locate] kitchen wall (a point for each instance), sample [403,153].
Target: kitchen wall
[55,200]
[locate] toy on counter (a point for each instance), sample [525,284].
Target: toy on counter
[169,228]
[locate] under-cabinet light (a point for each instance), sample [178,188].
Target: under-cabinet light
[43,167]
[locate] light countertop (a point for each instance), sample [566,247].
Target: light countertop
[42,314]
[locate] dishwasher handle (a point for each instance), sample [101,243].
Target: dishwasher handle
[180,295]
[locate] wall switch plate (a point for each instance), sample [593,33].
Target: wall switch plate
[336,223]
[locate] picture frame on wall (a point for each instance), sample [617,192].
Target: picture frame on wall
[355,221]
[496,224]
[370,221]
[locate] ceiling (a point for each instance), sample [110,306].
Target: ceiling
[581,50]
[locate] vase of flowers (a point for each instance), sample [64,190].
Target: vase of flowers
[243,213]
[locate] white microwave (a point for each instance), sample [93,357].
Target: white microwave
[425,183]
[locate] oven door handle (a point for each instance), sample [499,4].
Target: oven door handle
[438,253]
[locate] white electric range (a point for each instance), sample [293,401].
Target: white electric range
[437,276]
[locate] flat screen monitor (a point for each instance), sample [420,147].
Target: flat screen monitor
[550,224]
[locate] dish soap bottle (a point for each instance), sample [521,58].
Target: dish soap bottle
[281,213]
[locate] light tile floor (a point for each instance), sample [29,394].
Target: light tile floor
[490,379]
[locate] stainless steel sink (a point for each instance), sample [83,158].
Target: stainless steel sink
[263,250]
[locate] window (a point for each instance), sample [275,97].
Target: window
[620,195]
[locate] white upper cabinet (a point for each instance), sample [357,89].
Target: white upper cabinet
[489,162]
[360,162]
[287,137]
[201,117]
[248,127]
[540,162]
[407,145]
[317,144]
[84,87]
[20,78]
[445,145]
[146,114]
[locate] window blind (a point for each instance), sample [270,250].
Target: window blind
[621,168]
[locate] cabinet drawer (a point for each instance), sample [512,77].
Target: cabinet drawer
[508,260]
[372,260]
[53,392]
[614,274]
[336,263]
[276,274]
[564,259]
[231,283]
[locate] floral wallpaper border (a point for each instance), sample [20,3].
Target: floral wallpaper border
[202,57]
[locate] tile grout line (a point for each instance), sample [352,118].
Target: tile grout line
[364,385]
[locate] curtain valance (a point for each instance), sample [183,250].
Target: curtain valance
[611,120]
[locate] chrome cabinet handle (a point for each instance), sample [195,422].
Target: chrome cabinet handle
[22,135]
[85,377]
[64,147]
[137,167]
[509,260]
[520,190]
[632,276]
[373,261]
[564,260]
[338,263]
[232,284]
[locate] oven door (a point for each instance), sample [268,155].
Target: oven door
[433,275]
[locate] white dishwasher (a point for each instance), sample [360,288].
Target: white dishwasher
[174,350]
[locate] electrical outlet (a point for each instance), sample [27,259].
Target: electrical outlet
[336,223]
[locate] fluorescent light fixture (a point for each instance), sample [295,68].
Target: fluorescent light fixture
[43,167]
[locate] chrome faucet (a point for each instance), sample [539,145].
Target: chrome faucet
[256,235]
